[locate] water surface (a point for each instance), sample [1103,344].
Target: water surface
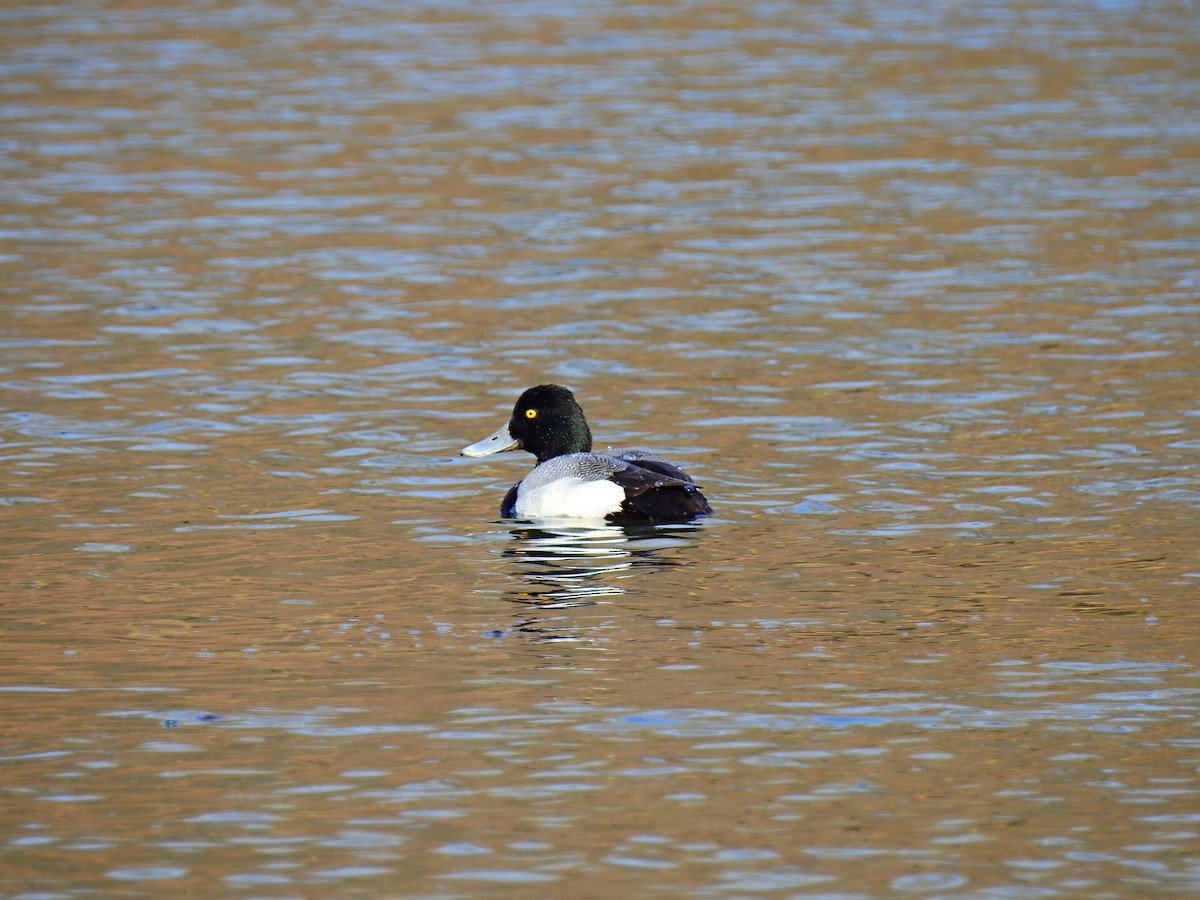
[911,291]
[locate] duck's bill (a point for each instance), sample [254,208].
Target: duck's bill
[496,442]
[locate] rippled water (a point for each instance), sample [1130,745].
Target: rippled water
[912,291]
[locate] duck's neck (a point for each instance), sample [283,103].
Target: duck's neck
[573,436]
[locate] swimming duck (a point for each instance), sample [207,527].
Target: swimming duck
[572,481]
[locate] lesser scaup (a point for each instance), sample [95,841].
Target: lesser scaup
[572,481]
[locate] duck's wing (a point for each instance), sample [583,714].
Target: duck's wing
[653,492]
[646,460]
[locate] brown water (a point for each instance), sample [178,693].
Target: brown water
[913,290]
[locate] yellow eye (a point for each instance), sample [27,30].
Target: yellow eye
[531,413]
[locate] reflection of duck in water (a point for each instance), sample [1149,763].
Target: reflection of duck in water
[577,565]
[574,482]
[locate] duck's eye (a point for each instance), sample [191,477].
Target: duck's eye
[531,413]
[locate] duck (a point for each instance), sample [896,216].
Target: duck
[573,481]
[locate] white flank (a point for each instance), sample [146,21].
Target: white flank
[570,498]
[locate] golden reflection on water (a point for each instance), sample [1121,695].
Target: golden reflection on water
[910,290]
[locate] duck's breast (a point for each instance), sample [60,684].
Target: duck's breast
[571,498]
[575,486]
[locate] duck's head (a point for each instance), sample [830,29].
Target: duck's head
[546,421]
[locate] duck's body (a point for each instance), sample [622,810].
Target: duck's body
[574,482]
